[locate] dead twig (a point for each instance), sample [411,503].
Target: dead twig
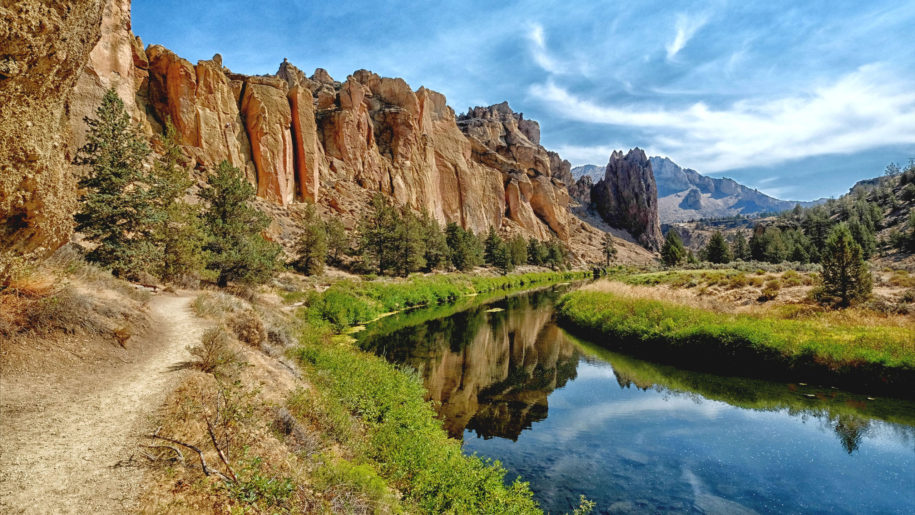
[203,462]
[222,457]
[175,449]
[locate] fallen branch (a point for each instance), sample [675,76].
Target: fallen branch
[175,449]
[203,462]
[222,457]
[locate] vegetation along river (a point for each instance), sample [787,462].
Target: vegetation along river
[573,418]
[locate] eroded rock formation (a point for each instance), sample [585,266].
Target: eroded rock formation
[627,197]
[43,47]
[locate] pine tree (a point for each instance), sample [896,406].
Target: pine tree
[311,246]
[114,212]
[378,232]
[555,255]
[740,249]
[608,249]
[717,250]
[338,243]
[465,248]
[237,247]
[177,232]
[673,252]
[409,245]
[845,275]
[518,249]
[536,253]
[490,245]
[437,251]
[502,258]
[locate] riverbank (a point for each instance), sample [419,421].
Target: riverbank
[378,411]
[835,349]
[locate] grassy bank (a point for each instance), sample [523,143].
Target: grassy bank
[376,410]
[347,303]
[868,357]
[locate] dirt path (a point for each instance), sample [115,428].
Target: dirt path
[66,446]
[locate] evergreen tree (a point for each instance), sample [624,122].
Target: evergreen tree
[115,211]
[338,243]
[845,275]
[740,249]
[378,231]
[237,248]
[466,249]
[437,252]
[863,235]
[536,252]
[409,245]
[502,258]
[177,232]
[490,245]
[607,248]
[691,258]
[311,246]
[517,246]
[717,250]
[555,255]
[673,252]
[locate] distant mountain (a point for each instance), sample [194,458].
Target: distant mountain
[685,194]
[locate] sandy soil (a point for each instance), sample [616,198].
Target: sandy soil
[69,442]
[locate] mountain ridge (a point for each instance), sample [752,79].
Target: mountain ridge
[684,194]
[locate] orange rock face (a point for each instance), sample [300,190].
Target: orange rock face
[313,138]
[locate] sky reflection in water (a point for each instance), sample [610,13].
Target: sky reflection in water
[572,418]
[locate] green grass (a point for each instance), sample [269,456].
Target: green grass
[378,412]
[348,303]
[880,353]
[404,442]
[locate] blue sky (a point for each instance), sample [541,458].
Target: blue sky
[799,99]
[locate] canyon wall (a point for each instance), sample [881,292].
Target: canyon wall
[43,47]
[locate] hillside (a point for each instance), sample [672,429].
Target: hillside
[684,194]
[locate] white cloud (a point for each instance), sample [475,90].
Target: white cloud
[686,27]
[540,53]
[862,110]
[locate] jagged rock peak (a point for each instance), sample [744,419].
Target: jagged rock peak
[503,113]
[627,197]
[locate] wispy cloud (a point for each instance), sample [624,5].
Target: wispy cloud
[862,110]
[686,27]
[539,50]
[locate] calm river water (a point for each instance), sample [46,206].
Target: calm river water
[573,418]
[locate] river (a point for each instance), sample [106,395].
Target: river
[573,418]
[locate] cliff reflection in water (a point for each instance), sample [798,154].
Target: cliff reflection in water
[488,368]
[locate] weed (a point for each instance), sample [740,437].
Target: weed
[248,327]
[214,354]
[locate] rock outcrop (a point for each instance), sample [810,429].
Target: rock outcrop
[296,137]
[581,190]
[627,197]
[692,200]
[44,47]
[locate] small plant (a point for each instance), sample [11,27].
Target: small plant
[769,291]
[214,355]
[249,327]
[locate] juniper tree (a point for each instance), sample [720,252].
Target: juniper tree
[177,232]
[845,275]
[739,248]
[311,246]
[673,252]
[608,249]
[437,251]
[536,252]
[717,251]
[490,245]
[517,247]
[465,248]
[237,248]
[338,243]
[377,234]
[114,212]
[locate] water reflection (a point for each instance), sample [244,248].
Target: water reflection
[574,418]
[488,368]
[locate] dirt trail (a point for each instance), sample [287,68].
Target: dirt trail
[66,446]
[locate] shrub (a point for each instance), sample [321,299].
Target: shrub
[769,291]
[249,328]
[214,354]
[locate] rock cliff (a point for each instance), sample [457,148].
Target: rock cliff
[43,47]
[627,197]
[296,137]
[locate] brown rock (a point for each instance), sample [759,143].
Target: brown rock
[268,120]
[627,197]
[45,44]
